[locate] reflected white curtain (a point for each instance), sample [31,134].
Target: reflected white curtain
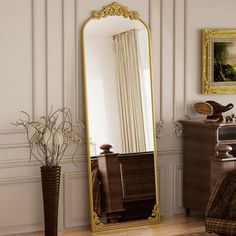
[129,92]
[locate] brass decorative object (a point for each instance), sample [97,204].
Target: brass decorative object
[97,223]
[155,217]
[212,109]
[115,9]
[218,75]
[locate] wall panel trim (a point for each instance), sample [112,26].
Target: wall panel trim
[185,61]
[174,61]
[178,189]
[77,119]
[63,52]
[169,152]
[46,56]
[33,61]
[22,130]
[16,163]
[161,189]
[19,180]
[69,221]
[23,228]
[14,145]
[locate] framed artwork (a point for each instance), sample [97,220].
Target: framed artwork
[219,61]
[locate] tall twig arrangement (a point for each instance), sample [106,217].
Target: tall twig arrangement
[50,136]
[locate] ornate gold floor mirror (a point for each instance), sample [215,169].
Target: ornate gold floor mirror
[120,129]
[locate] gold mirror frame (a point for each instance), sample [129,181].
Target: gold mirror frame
[115,9]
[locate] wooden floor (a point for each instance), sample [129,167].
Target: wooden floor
[169,226]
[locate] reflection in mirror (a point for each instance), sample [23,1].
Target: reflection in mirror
[120,130]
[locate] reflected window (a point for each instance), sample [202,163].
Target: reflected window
[97,127]
[144,67]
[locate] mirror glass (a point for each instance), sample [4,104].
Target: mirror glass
[120,126]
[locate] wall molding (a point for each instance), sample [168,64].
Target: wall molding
[161,59]
[46,56]
[21,130]
[178,129]
[19,163]
[174,62]
[169,152]
[179,61]
[12,131]
[14,145]
[69,220]
[77,75]
[185,61]
[33,61]
[23,228]
[63,52]
[178,189]
[157,53]
[19,180]
[160,129]
[161,189]
[167,160]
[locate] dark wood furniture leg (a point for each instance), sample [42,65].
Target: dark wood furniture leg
[187,212]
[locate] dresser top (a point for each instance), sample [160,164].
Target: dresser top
[206,123]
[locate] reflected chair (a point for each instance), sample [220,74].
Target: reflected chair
[96,186]
[220,215]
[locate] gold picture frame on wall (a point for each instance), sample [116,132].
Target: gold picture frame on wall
[219,61]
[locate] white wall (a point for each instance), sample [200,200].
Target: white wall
[39,61]
[177,74]
[103,106]
[40,66]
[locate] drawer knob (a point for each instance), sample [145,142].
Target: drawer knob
[222,151]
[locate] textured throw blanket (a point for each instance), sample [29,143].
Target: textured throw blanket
[222,206]
[197,234]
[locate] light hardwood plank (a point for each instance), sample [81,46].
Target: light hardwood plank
[168,227]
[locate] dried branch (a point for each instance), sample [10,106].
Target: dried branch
[49,138]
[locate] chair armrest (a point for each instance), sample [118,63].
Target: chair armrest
[213,199]
[220,226]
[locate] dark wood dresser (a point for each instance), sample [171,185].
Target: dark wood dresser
[127,185]
[201,167]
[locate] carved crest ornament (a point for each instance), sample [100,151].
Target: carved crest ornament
[97,223]
[155,217]
[115,9]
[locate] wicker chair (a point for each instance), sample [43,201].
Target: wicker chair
[220,215]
